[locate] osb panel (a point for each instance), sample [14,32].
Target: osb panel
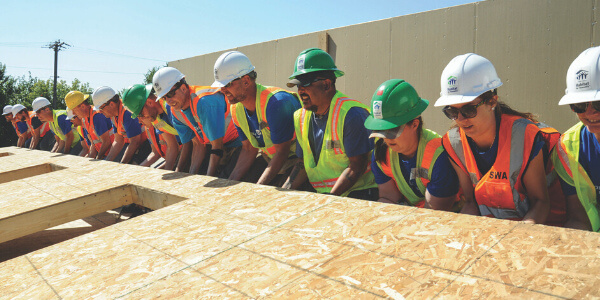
[239,240]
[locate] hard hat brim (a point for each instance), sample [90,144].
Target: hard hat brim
[337,72]
[580,97]
[372,123]
[220,84]
[454,99]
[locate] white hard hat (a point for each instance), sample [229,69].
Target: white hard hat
[69,114]
[101,95]
[7,110]
[465,78]
[39,102]
[17,108]
[229,66]
[583,78]
[164,79]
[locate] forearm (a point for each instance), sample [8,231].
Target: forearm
[84,149]
[184,157]
[538,213]
[152,158]
[106,144]
[116,147]
[68,142]
[274,166]
[34,141]
[243,164]
[61,146]
[134,144]
[297,176]
[198,154]
[215,158]
[357,167]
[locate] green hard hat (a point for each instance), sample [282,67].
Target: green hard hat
[313,60]
[394,103]
[134,98]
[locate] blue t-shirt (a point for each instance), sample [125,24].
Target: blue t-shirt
[211,112]
[22,127]
[356,136]
[280,117]
[101,124]
[589,158]
[64,124]
[132,126]
[85,136]
[444,182]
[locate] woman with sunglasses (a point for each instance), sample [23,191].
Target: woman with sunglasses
[405,152]
[577,158]
[500,155]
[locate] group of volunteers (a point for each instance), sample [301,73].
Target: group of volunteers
[494,161]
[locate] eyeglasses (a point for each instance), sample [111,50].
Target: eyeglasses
[172,92]
[307,84]
[37,112]
[468,111]
[580,108]
[229,84]
[103,106]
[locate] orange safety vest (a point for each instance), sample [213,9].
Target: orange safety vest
[500,192]
[196,93]
[157,140]
[45,127]
[88,124]
[119,125]
[80,131]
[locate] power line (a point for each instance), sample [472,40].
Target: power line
[68,70]
[119,54]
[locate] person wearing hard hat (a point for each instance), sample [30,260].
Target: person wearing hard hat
[333,142]
[156,117]
[263,117]
[409,163]
[499,154]
[7,113]
[25,135]
[86,144]
[130,142]
[67,139]
[206,112]
[41,139]
[577,157]
[95,125]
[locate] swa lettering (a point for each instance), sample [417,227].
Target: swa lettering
[498,175]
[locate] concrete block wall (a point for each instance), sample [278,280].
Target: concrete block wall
[531,43]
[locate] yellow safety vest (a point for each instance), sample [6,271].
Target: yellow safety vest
[566,163]
[238,113]
[332,160]
[58,132]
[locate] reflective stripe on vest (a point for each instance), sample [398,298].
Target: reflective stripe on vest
[161,124]
[119,124]
[197,92]
[56,128]
[332,161]
[160,145]
[515,141]
[179,115]
[428,150]
[90,128]
[566,162]
[238,113]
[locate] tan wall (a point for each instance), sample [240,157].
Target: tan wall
[530,42]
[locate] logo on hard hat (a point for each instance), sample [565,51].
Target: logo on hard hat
[582,81]
[300,64]
[377,114]
[157,87]
[452,87]
[216,75]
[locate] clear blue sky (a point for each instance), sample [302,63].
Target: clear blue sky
[115,42]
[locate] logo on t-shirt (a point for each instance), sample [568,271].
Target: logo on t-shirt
[257,134]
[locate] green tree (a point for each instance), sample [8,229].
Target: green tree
[148,76]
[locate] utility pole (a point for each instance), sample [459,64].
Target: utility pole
[56,46]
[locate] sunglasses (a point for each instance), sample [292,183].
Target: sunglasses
[307,84]
[172,92]
[103,106]
[468,111]
[391,134]
[580,108]
[229,84]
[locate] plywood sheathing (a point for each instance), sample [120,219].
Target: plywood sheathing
[239,240]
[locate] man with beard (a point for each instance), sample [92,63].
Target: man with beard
[264,119]
[206,112]
[332,139]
